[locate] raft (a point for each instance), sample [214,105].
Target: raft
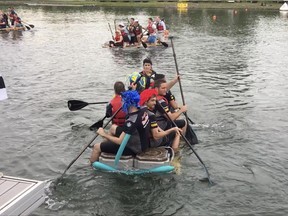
[153,160]
[106,45]
[12,29]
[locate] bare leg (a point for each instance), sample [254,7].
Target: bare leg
[95,153]
[184,128]
[176,141]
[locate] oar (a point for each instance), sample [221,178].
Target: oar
[189,144]
[189,133]
[74,105]
[74,160]
[27,26]
[111,31]
[30,25]
[144,44]
[98,124]
[164,44]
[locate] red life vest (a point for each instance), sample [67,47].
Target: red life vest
[150,28]
[117,37]
[116,103]
[160,27]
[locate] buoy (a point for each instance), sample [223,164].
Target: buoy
[214,17]
[235,12]
[246,9]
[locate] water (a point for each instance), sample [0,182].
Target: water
[234,77]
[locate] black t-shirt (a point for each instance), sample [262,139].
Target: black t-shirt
[137,125]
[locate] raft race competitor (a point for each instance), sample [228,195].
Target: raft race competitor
[133,34]
[135,132]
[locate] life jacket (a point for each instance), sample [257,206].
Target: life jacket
[138,30]
[124,32]
[116,103]
[150,28]
[117,37]
[160,26]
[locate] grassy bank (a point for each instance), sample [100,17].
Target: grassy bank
[266,5]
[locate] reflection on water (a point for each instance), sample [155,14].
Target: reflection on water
[234,79]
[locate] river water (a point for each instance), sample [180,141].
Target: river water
[234,77]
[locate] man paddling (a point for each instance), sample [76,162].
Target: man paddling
[159,137]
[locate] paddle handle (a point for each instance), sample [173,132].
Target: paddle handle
[102,102]
[177,71]
[74,160]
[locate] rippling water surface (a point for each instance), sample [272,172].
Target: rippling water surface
[234,76]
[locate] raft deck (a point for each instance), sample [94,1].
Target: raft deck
[20,196]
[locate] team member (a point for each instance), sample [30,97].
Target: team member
[159,137]
[151,29]
[161,28]
[136,130]
[113,106]
[161,87]
[118,40]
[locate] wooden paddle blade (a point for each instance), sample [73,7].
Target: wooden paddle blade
[97,125]
[74,105]
[144,44]
[191,136]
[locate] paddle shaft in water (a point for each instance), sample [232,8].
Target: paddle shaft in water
[74,160]
[188,143]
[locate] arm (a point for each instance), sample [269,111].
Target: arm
[158,133]
[113,139]
[175,115]
[173,82]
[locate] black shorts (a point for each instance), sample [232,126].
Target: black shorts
[180,123]
[110,147]
[133,40]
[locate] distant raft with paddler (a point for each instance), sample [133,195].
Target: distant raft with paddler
[153,160]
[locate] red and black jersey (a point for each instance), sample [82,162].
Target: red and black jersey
[137,125]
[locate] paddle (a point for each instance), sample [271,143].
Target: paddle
[27,27]
[189,132]
[74,160]
[98,124]
[144,44]
[30,25]
[164,44]
[189,144]
[74,105]
[111,31]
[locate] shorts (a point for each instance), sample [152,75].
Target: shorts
[180,123]
[151,39]
[110,147]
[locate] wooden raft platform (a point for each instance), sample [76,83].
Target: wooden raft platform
[20,196]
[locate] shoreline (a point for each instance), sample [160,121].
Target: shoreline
[264,5]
